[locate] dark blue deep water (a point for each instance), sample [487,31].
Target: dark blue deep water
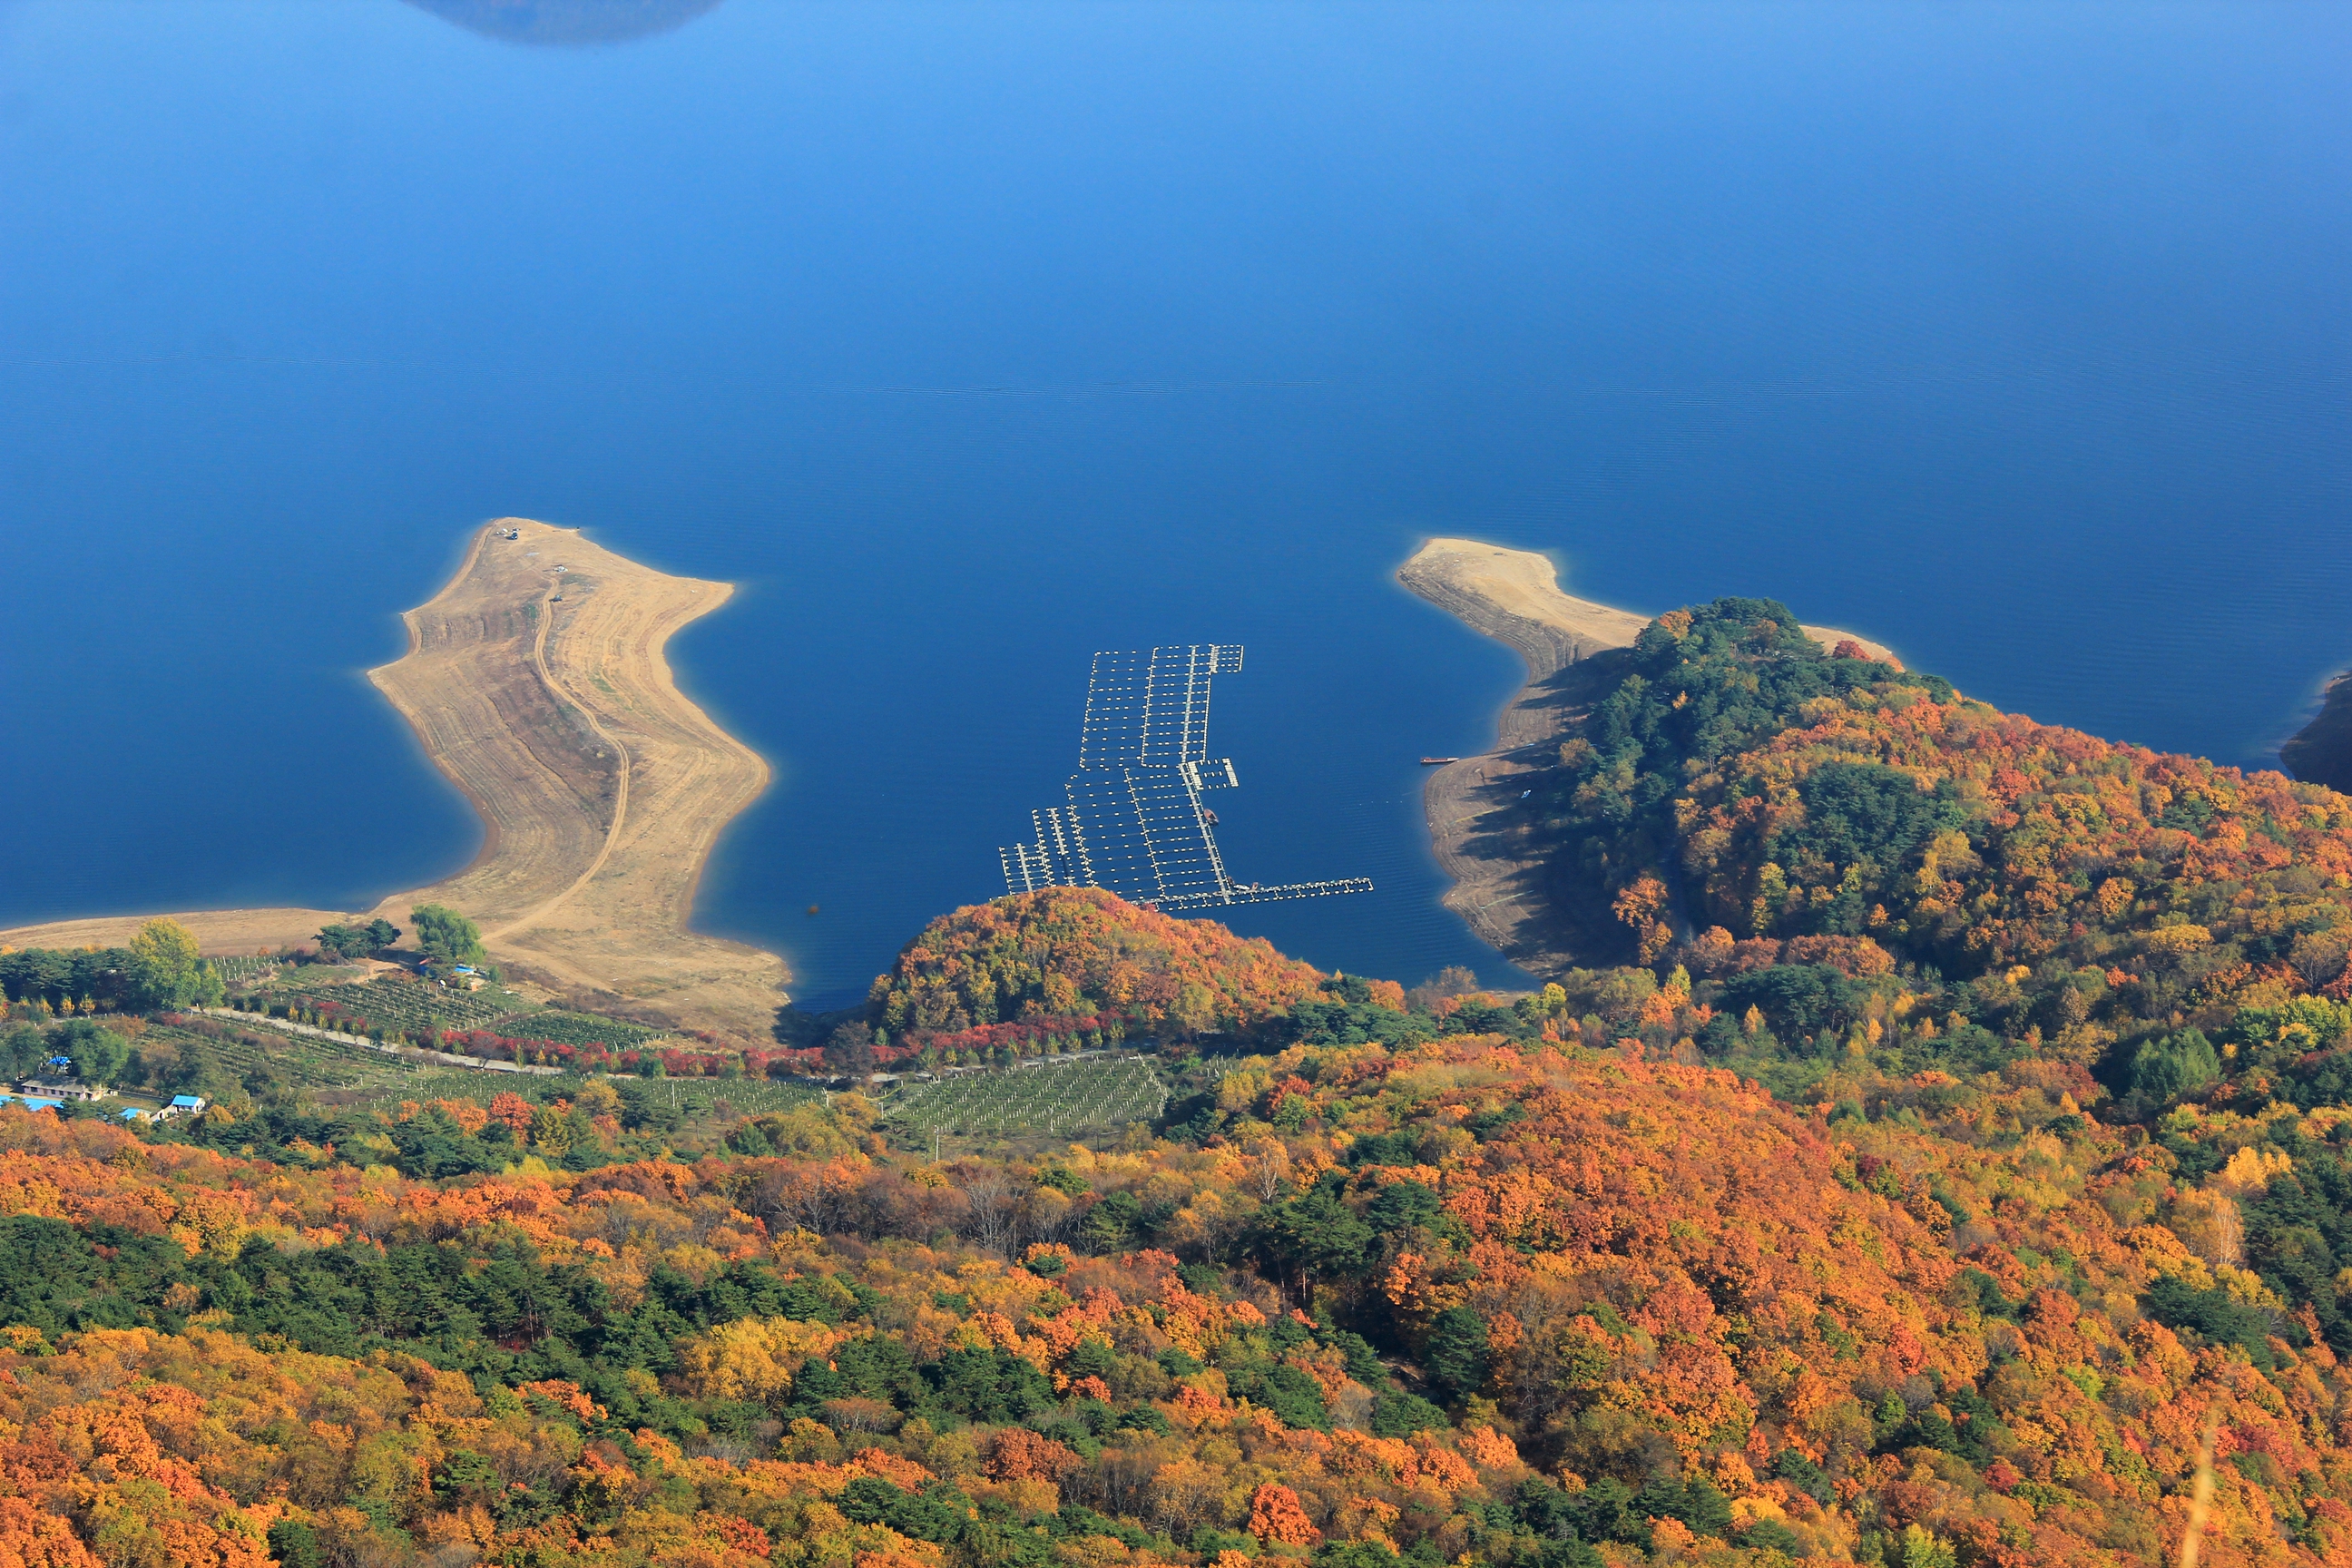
[970,339]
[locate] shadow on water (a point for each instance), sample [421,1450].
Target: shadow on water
[2321,751]
[567,21]
[1570,921]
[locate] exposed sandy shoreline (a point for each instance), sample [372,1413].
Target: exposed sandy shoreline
[1481,838]
[216,932]
[602,788]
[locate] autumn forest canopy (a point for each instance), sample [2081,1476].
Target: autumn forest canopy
[1943,1153]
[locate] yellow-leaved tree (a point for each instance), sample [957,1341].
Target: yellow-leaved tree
[753,1358]
[170,972]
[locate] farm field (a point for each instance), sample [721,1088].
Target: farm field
[428,1081]
[311,1062]
[400,1081]
[406,1004]
[415,1008]
[1052,1099]
[697,1096]
[576,1029]
[306,1061]
[239,968]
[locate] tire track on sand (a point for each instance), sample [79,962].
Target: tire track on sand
[620,785]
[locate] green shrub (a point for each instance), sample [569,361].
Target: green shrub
[2166,1068]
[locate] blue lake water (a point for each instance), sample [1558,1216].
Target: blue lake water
[969,340]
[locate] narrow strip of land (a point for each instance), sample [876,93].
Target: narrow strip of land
[1482,838]
[537,681]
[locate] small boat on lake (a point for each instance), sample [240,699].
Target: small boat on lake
[1434,762]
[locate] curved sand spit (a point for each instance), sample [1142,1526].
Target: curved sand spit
[544,696]
[1480,836]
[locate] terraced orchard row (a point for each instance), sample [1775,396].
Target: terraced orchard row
[309,1062]
[1066,1097]
[237,969]
[577,1029]
[417,1010]
[410,1006]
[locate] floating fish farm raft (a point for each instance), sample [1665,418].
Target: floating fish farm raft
[1133,821]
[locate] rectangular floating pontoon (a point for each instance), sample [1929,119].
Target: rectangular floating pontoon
[1134,824]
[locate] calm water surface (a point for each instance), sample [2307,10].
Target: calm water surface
[969,340]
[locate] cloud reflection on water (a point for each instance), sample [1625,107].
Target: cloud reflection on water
[567,21]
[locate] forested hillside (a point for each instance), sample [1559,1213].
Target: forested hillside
[1522,1301]
[1958,1169]
[1070,950]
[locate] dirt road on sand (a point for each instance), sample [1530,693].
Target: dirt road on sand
[1484,843]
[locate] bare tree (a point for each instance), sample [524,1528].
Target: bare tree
[993,1212]
[1268,1165]
[816,1198]
[890,1205]
[1048,1215]
[1120,1481]
[850,1049]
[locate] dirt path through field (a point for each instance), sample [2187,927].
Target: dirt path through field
[1481,831]
[620,784]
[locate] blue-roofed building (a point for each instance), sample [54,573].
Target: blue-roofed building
[182,1105]
[29,1103]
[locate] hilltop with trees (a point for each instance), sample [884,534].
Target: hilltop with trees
[1069,951]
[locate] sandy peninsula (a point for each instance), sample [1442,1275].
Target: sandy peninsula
[536,681]
[1480,839]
